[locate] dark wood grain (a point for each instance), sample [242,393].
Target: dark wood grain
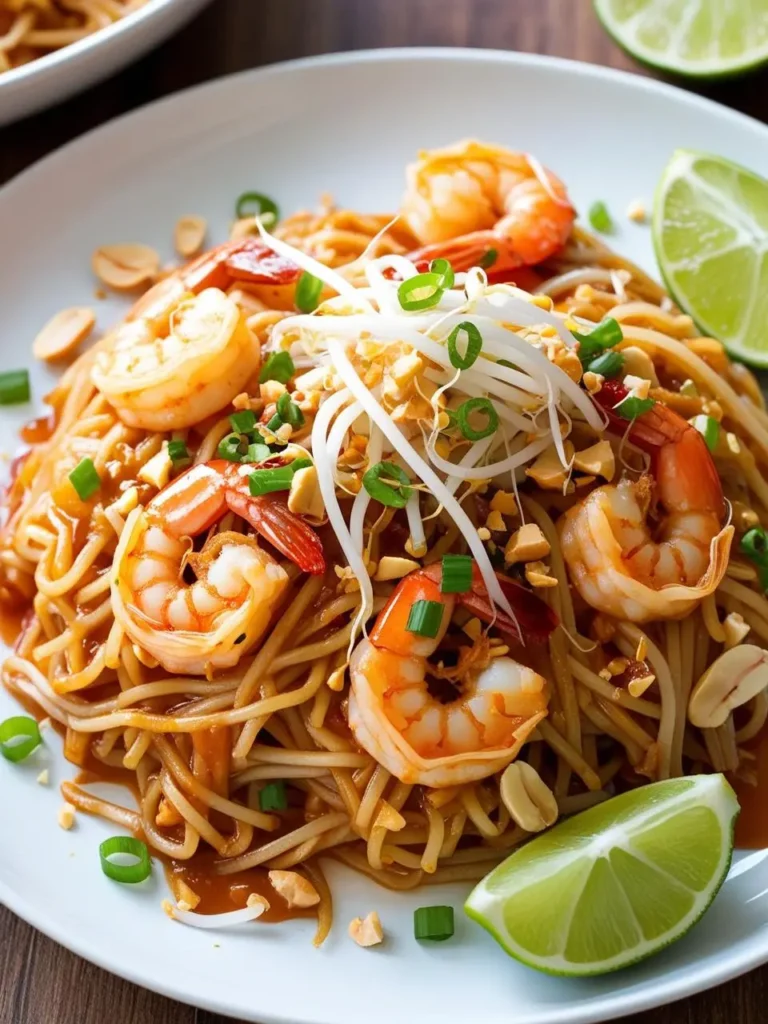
[40,982]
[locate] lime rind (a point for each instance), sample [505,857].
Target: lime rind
[673,58]
[489,902]
[710,234]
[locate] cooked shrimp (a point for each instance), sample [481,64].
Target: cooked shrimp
[211,622]
[617,561]
[470,200]
[184,351]
[418,738]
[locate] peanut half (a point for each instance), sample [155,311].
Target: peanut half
[528,799]
[737,676]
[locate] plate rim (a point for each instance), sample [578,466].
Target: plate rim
[662,991]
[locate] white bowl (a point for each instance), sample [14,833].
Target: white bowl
[58,75]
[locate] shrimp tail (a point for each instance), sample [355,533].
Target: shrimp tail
[479,248]
[535,619]
[269,515]
[250,260]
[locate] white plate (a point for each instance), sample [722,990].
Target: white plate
[55,77]
[346,123]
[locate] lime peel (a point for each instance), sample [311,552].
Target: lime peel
[575,900]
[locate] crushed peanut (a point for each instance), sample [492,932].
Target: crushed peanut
[473,628]
[593,381]
[63,333]
[295,889]
[393,568]
[526,545]
[636,211]
[537,574]
[255,899]
[388,818]
[304,497]
[189,235]
[614,668]
[125,267]
[637,687]
[597,460]
[495,521]
[638,386]
[367,931]
[483,533]
[405,369]
[735,629]
[642,649]
[271,390]
[184,894]
[548,471]
[504,502]
[638,363]
[157,471]
[44,777]
[66,817]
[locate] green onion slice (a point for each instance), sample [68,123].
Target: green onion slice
[754,544]
[444,268]
[632,407]
[709,429]
[425,618]
[232,448]
[433,923]
[177,452]
[14,387]
[608,365]
[255,204]
[275,423]
[273,797]
[256,453]
[482,406]
[244,421]
[605,335]
[308,291]
[277,478]
[85,479]
[19,736]
[421,292]
[600,218]
[279,366]
[473,347]
[288,411]
[388,483]
[487,260]
[457,574]
[140,866]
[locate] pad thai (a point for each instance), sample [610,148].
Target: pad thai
[390,539]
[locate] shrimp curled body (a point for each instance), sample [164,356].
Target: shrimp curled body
[213,621]
[469,200]
[618,563]
[418,738]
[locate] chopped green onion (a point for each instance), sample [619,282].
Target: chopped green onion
[273,797]
[754,544]
[709,429]
[444,268]
[485,408]
[421,292]
[254,204]
[14,387]
[232,448]
[288,411]
[689,389]
[279,366]
[19,736]
[277,478]
[632,407]
[244,421]
[393,490]
[256,453]
[177,452]
[433,923]
[425,618]
[605,335]
[608,365]
[600,218]
[85,479]
[140,867]
[473,349]
[275,423]
[457,574]
[487,260]
[308,291]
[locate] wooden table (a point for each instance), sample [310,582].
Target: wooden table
[41,983]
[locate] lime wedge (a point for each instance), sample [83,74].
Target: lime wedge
[702,38]
[616,883]
[710,230]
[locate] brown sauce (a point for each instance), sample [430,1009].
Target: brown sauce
[12,623]
[752,824]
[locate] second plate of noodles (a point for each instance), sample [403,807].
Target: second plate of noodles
[313,578]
